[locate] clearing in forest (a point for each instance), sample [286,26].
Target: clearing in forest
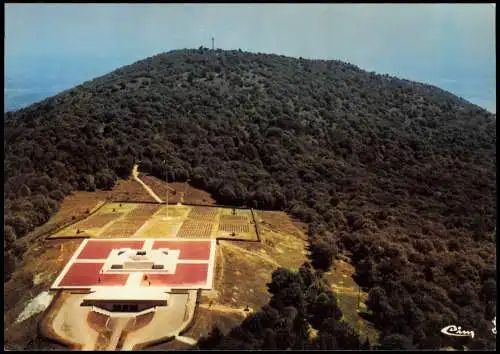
[152,220]
[240,273]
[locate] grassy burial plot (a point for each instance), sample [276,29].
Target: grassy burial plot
[123,228]
[204,213]
[236,224]
[144,210]
[235,219]
[97,223]
[233,223]
[112,220]
[90,227]
[195,229]
[236,212]
[158,228]
[140,215]
[236,228]
[174,211]
[133,225]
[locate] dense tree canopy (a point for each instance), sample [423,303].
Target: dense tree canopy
[399,175]
[300,301]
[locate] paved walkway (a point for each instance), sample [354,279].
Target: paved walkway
[118,326]
[167,321]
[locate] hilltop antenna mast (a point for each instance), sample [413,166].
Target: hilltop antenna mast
[213,39]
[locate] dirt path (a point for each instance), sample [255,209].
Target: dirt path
[135,173]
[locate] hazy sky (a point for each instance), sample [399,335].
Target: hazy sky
[449,45]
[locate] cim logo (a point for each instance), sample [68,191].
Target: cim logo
[455,331]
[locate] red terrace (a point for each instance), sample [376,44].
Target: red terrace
[137,273]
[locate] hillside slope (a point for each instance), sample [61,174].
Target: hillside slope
[399,174]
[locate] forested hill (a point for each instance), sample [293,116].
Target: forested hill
[399,174]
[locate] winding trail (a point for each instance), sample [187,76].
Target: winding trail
[135,173]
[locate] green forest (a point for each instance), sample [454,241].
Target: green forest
[399,176]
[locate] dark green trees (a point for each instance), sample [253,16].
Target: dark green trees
[378,160]
[300,301]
